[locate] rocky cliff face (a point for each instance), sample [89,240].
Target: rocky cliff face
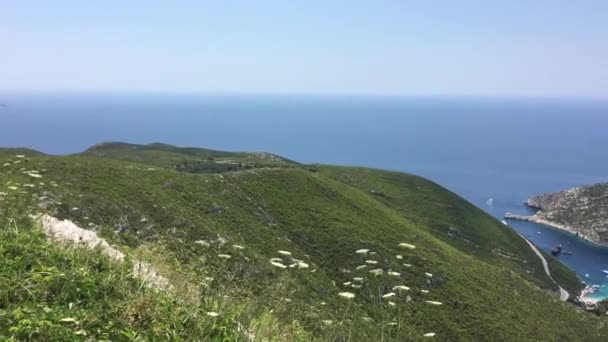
[584,210]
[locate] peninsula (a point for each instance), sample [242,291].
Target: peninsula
[582,211]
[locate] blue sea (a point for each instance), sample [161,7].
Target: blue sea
[494,152]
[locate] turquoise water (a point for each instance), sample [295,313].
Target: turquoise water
[503,150]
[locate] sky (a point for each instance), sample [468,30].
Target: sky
[537,48]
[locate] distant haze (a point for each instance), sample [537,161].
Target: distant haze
[476,48]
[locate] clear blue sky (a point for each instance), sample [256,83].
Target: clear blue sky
[490,48]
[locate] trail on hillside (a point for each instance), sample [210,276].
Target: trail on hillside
[563,294]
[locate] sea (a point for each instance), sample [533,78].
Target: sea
[495,152]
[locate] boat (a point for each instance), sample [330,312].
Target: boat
[539,233]
[558,249]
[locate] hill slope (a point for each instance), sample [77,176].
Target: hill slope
[284,246]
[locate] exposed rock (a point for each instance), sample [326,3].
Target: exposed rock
[582,211]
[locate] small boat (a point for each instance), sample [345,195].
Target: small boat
[539,233]
[557,249]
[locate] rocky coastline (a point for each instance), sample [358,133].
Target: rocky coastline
[581,211]
[540,220]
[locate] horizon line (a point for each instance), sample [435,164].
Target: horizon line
[83,91]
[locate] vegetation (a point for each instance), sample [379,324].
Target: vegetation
[583,210]
[279,251]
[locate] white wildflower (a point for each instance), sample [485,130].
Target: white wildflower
[355,286]
[371,262]
[424,291]
[224,256]
[407,265]
[202,243]
[407,245]
[34,175]
[434,302]
[401,288]
[74,209]
[362,251]
[347,295]
[276,259]
[328,322]
[389,295]
[212,314]
[347,283]
[238,247]
[359,279]
[429,335]
[391,303]
[377,272]
[13,188]
[7,164]
[360,267]
[277,264]
[284,253]
[399,257]
[394,274]
[430,275]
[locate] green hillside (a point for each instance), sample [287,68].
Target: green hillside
[268,244]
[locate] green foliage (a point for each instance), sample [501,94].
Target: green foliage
[490,285]
[49,293]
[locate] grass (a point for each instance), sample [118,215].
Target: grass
[49,293]
[491,286]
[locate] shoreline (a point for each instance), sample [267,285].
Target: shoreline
[583,297]
[538,220]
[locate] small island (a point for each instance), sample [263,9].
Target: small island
[582,211]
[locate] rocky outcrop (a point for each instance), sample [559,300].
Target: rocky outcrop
[582,211]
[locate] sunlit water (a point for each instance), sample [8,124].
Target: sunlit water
[503,150]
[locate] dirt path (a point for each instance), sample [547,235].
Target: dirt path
[563,294]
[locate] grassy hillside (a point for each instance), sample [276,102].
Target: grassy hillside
[277,243]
